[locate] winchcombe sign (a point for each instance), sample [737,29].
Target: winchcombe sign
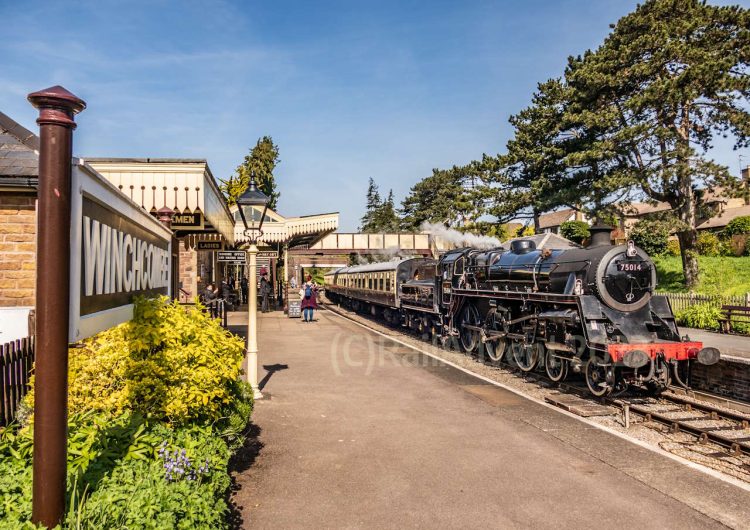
[118,252]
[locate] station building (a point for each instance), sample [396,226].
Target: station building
[201,221]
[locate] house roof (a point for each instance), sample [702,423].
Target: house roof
[636,209]
[549,220]
[19,150]
[722,220]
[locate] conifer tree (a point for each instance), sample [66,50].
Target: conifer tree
[262,160]
[670,76]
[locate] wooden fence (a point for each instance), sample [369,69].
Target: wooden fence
[681,301]
[16,363]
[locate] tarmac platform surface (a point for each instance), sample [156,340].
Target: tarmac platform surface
[359,431]
[730,346]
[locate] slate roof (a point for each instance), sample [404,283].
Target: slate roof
[722,220]
[553,219]
[19,150]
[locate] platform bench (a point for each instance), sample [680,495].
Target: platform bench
[733,314]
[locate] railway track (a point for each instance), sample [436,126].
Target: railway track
[676,410]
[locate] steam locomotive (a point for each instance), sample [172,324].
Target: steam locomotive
[592,310]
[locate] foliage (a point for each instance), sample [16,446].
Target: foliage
[726,276]
[380,215]
[738,226]
[673,248]
[444,197]
[485,228]
[708,244]
[526,230]
[260,162]
[117,479]
[670,76]
[157,408]
[169,363]
[575,231]
[738,245]
[651,236]
[702,316]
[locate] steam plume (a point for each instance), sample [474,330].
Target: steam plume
[460,239]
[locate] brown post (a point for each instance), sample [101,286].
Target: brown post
[56,107]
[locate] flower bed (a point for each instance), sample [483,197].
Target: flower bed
[156,410]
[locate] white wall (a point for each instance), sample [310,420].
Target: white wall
[14,323]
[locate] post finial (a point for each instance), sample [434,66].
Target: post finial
[57,106]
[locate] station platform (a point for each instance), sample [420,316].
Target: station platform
[359,431]
[731,346]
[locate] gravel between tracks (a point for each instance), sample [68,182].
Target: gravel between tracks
[681,444]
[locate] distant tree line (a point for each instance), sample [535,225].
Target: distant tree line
[634,119]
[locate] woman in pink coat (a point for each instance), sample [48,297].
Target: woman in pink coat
[309,295]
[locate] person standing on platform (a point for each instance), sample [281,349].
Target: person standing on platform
[308,293]
[265,292]
[244,289]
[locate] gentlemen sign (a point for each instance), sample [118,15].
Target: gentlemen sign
[187,221]
[118,252]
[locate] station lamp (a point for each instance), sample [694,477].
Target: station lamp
[253,197]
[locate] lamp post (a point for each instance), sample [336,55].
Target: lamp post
[250,198]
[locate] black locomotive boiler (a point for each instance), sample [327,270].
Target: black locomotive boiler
[592,310]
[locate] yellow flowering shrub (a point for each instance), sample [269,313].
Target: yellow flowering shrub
[169,362]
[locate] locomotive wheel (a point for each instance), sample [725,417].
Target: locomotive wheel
[681,373]
[496,349]
[526,355]
[469,337]
[556,367]
[596,378]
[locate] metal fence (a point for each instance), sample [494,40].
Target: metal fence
[16,363]
[216,308]
[681,301]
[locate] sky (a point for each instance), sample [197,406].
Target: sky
[347,89]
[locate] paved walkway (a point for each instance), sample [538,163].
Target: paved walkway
[358,431]
[728,345]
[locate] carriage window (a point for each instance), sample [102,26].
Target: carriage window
[382,282]
[388,282]
[369,281]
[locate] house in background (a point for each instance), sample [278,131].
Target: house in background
[550,222]
[19,178]
[720,208]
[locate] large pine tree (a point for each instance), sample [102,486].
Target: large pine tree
[670,76]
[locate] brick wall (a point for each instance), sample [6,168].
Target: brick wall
[726,378]
[17,249]
[188,271]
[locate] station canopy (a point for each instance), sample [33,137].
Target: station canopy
[294,232]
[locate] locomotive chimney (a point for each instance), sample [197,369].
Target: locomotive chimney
[600,235]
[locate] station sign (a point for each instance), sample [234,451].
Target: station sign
[268,254]
[209,245]
[234,256]
[187,221]
[118,252]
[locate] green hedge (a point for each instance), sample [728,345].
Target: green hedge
[155,459]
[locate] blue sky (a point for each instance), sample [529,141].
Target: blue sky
[348,89]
